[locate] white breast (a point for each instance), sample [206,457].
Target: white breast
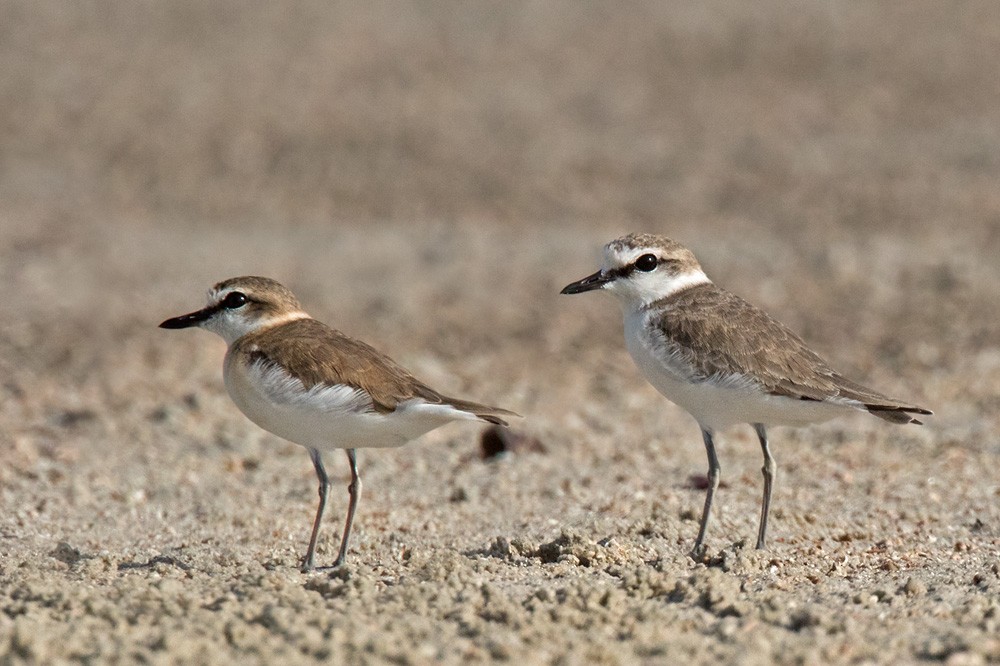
[715,402]
[326,417]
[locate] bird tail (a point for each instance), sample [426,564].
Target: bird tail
[486,413]
[886,408]
[897,413]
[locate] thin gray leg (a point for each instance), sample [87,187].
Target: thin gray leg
[769,470]
[714,471]
[324,485]
[355,491]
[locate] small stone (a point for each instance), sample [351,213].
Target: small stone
[498,441]
[914,588]
[66,553]
[73,417]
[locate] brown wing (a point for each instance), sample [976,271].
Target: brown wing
[717,332]
[314,353]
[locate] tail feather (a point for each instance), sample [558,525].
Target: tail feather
[486,413]
[490,418]
[897,413]
[884,407]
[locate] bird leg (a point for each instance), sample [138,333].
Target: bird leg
[355,492]
[714,471]
[768,470]
[324,485]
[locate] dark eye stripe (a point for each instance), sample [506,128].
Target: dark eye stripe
[626,271]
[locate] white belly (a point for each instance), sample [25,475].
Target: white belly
[328,418]
[717,404]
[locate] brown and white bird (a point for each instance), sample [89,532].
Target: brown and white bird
[310,384]
[719,357]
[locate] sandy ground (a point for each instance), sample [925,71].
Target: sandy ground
[427,177]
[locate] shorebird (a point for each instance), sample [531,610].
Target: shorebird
[312,385]
[720,358]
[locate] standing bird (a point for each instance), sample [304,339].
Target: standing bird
[719,357]
[310,384]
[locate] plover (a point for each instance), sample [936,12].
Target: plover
[310,384]
[720,358]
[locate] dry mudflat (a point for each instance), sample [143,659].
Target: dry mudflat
[145,519]
[427,178]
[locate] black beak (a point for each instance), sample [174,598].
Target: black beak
[188,320]
[589,283]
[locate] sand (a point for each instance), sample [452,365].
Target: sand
[427,177]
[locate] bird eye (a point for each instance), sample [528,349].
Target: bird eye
[234,299]
[646,262]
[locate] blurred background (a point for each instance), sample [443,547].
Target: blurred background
[858,116]
[830,160]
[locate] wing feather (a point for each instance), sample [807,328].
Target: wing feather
[718,333]
[320,356]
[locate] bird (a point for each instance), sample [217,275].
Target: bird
[721,359]
[310,384]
